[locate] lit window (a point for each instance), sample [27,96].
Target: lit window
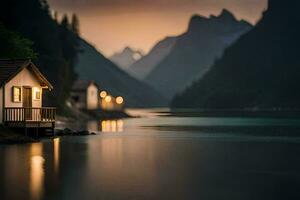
[16,94]
[36,93]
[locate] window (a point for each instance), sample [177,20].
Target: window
[36,93]
[16,94]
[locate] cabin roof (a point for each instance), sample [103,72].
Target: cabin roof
[9,68]
[82,85]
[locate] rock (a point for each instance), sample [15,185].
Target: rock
[85,132]
[67,131]
[59,132]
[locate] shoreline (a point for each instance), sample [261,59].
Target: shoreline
[269,130]
[234,113]
[10,136]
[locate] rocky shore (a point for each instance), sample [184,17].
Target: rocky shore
[69,132]
[8,136]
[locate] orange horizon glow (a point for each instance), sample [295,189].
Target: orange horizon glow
[110,27]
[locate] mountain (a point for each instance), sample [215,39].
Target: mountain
[141,68]
[195,51]
[92,65]
[126,58]
[260,70]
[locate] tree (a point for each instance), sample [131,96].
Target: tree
[55,44]
[55,16]
[65,22]
[75,24]
[15,46]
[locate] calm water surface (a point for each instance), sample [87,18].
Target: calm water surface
[132,159]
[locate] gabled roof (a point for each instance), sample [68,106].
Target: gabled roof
[81,85]
[9,68]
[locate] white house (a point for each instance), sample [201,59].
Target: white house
[21,87]
[84,95]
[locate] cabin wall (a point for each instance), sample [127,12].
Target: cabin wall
[92,97]
[24,78]
[1,105]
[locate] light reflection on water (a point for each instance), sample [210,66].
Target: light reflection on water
[112,126]
[36,171]
[56,152]
[104,126]
[144,166]
[27,168]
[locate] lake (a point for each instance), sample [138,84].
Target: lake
[157,156]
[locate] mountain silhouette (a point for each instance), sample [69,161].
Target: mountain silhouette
[141,68]
[195,51]
[92,65]
[260,70]
[126,58]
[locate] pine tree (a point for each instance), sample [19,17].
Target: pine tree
[75,24]
[15,46]
[65,22]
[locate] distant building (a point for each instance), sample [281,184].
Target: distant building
[21,87]
[84,95]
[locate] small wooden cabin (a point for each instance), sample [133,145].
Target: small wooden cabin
[84,95]
[21,87]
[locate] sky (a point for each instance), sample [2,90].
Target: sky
[111,25]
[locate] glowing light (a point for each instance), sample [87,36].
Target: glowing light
[36,93]
[119,100]
[103,94]
[112,126]
[108,99]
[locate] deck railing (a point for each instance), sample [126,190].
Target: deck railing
[15,114]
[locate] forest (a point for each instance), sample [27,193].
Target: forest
[28,29]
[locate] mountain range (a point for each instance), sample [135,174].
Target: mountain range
[92,65]
[187,57]
[260,70]
[126,58]
[141,68]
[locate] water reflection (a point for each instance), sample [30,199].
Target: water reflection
[36,171]
[93,126]
[56,147]
[112,126]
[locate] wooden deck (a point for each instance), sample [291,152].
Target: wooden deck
[30,117]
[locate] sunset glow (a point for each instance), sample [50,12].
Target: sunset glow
[113,25]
